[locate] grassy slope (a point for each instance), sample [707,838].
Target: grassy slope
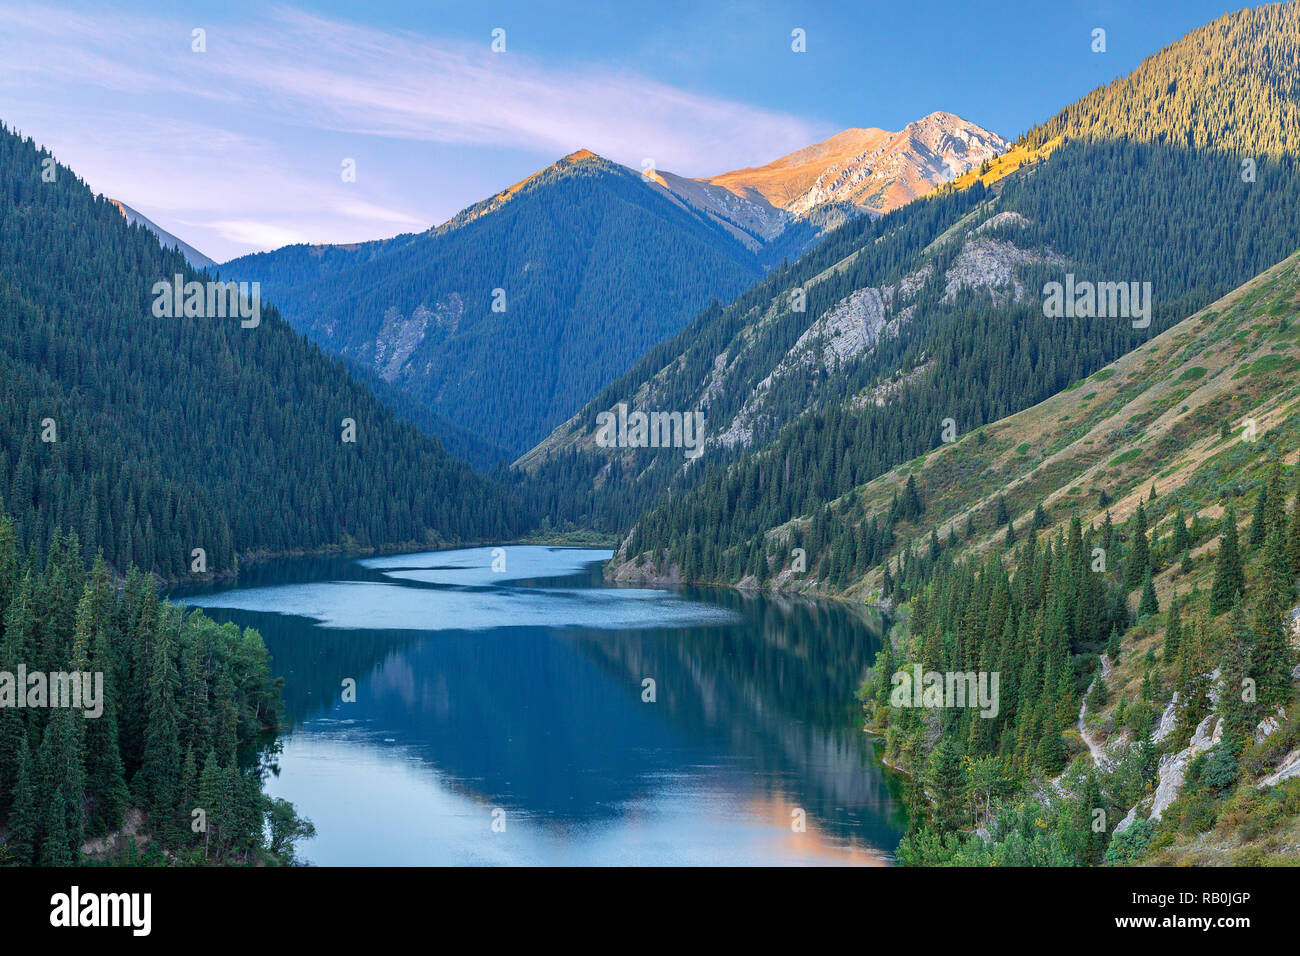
[1153,417]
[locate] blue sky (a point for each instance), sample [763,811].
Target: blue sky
[240,147]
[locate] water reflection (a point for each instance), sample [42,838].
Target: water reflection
[478,701]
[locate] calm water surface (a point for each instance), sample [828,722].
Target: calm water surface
[517,696]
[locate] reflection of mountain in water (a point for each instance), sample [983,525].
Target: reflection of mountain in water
[552,721]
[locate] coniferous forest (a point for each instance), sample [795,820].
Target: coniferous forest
[153,437]
[185,703]
[910,468]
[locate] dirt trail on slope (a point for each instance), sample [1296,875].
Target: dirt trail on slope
[1098,756]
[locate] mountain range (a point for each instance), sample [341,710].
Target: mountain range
[554,262]
[1022,396]
[848,361]
[149,437]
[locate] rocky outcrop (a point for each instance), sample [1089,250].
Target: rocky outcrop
[986,263]
[853,327]
[1173,767]
[399,336]
[1168,720]
[1009,218]
[1287,769]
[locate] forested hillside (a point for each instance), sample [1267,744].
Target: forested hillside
[935,313]
[512,314]
[1124,556]
[180,700]
[152,437]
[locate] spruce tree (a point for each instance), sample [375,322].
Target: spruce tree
[1181,540]
[162,757]
[1138,563]
[25,818]
[1259,519]
[1293,530]
[1229,579]
[1173,630]
[1148,603]
[1237,704]
[1051,751]
[1272,658]
[946,782]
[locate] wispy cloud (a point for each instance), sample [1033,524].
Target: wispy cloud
[243,139]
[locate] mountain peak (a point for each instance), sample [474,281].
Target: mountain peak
[872,168]
[561,166]
[195,258]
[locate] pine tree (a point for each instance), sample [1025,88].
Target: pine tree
[1098,694]
[25,819]
[1275,504]
[1138,563]
[1272,658]
[162,757]
[62,787]
[1148,603]
[1293,532]
[105,774]
[1051,752]
[1182,540]
[1173,630]
[212,800]
[55,848]
[912,507]
[1236,698]
[1259,519]
[946,781]
[1229,579]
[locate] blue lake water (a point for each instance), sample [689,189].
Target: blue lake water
[500,715]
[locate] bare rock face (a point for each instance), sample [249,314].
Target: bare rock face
[1173,767]
[1289,768]
[1167,721]
[852,327]
[1008,218]
[629,572]
[400,336]
[1268,726]
[873,169]
[907,164]
[986,263]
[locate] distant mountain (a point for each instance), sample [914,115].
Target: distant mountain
[508,317]
[195,258]
[873,169]
[851,359]
[505,319]
[854,172]
[150,436]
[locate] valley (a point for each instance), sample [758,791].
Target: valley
[920,497]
